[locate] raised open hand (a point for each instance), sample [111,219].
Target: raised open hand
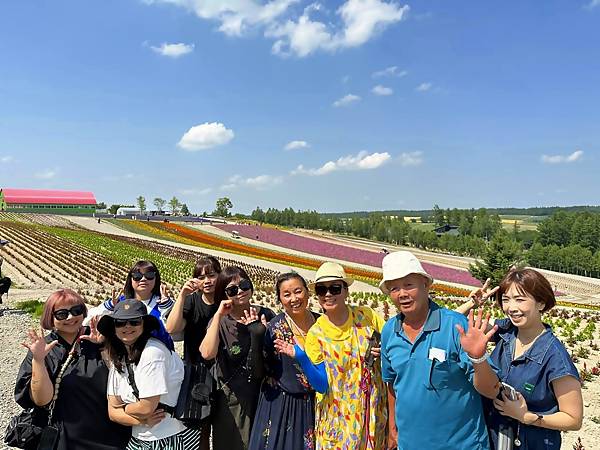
[480,295]
[285,348]
[250,316]
[37,344]
[94,336]
[474,341]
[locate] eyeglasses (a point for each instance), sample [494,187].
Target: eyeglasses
[119,323]
[137,276]
[62,314]
[232,291]
[333,289]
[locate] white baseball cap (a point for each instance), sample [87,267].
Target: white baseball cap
[398,265]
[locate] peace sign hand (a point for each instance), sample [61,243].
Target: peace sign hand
[116,295]
[165,294]
[480,295]
[475,340]
[95,336]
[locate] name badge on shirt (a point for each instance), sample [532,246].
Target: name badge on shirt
[437,354]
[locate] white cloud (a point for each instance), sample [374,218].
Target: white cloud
[296,145]
[345,79]
[260,182]
[195,191]
[47,174]
[206,135]
[562,159]
[411,158]
[592,4]
[346,100]
[424,87]
[382,90]
[390,72]
[124,177]
[361,161]
[6,159]
[173,50]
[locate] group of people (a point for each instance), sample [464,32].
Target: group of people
[339,378]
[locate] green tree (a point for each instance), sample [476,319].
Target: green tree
[501,254]
[159,203]
[101,205]
[141,203]
[174,204]
[223,206]
[184,210]
[438,215]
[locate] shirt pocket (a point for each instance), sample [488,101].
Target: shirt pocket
[441,374]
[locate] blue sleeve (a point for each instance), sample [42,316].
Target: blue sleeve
[316,374]
[387,371]
[559,363]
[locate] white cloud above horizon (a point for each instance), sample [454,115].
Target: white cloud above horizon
[260,182]
[407,159]
[357,22]
[424,87]
[6,159]
[592,4]
[173,50]
[296,145]
[346,100]
[205,136]
[360,161]
[47,174]
[382,90]
[562,159]
[193,191]
[391,71]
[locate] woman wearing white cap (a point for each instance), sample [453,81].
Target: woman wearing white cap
[351,413]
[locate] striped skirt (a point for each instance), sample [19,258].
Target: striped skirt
[186,440]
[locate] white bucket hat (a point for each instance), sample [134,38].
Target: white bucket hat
[398,265]
[330,271]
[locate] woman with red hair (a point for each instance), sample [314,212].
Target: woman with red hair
[80,408]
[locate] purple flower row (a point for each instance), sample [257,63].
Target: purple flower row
[336,251]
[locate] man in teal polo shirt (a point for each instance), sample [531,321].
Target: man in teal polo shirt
[431,380]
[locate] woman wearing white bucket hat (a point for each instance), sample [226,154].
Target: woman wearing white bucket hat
[351,413]
[429,375]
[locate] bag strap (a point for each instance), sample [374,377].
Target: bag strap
[131,380]
[59,378]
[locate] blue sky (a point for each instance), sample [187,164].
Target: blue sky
[333,106]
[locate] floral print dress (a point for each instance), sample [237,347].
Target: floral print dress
[352,414]
[285,415]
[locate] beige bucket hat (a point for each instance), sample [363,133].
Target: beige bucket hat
[398,265]
[330,271]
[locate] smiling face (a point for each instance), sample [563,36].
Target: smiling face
[71,324]
[331,302]
[294,297]
[129,333]
[521,308]
[208,280]
[242,298]
[410,294]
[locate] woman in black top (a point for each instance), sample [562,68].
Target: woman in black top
[193,309]
[81,407]
[234,339]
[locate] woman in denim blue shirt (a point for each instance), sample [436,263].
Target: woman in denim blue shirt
[530,358]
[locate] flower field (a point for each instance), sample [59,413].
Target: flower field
[331,250]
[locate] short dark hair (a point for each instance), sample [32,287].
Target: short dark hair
[205,263]
[225,277]
[128,289]
[532,283]
[282,278]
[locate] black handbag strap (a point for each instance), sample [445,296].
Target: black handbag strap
[131,380]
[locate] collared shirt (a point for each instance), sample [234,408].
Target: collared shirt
[532,375]
[436,404]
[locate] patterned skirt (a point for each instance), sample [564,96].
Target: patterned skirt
[186,440]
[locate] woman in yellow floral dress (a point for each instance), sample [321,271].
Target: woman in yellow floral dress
[351,411]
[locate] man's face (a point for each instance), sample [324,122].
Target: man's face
[410,294]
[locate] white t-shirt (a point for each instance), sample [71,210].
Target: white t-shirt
[159,372]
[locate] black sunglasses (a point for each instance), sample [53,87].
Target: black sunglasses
[119,323]
[232,291]
[62,314]
[137,276]
[334,289]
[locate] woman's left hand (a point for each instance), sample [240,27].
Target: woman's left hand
[164,293]
[376,352]
[515,409]
[251,316]
[94,335]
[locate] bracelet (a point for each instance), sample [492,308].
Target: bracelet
[485,356]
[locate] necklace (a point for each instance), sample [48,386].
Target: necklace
[295,325]
[525,347]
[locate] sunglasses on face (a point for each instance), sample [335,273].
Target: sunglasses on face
[333,289]
[137,276]
[62,314]
[132,322]
[232,291]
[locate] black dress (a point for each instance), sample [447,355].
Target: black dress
[285,417]
[81,409]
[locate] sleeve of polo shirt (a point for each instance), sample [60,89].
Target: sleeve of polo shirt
[387,372]
[313,348]
[560,364]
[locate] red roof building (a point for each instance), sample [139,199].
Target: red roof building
[43,200]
